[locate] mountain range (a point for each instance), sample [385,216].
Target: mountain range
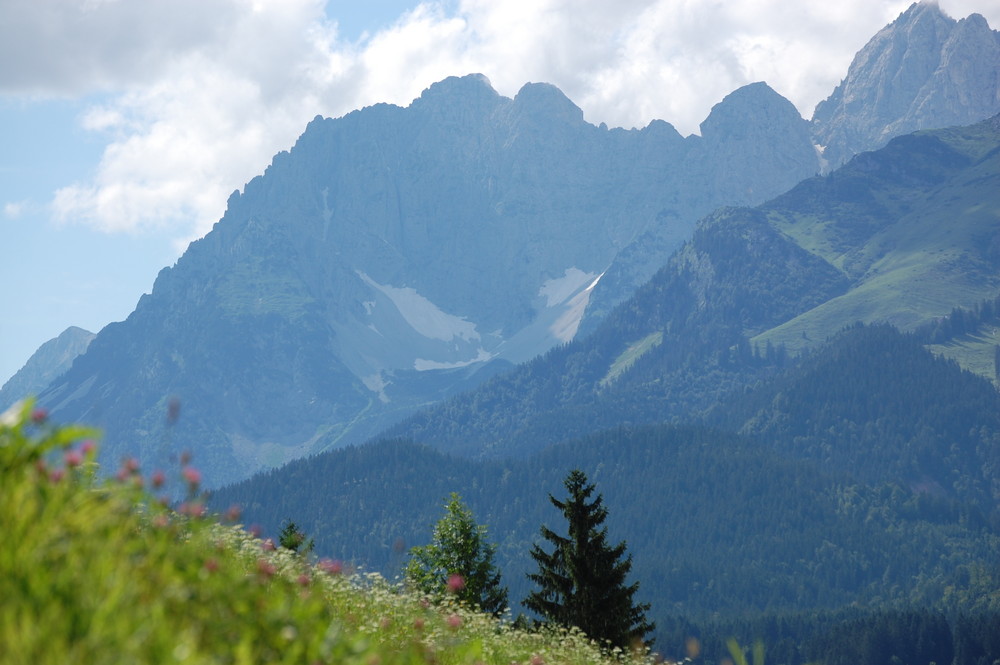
[395,257]
[787,490]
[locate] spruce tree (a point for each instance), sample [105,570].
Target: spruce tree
[459,548]
[294,539]
[582,581]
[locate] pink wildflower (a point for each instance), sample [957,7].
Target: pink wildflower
[267,545]
[233,513]
[331,567]
[39,416]
[56,475]
[455,583]
[192,509]
[537,660]
[192,476]
[130,464]
[158,479]
[211,565]
[266,568]
[454,621]
[304,579]
[88,447]
[254,530]
[418,624]
[73,458]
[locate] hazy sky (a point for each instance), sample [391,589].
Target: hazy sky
[125,124]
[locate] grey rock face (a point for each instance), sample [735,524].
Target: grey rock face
[752,126]
[396,255]
[48,362]
[924,70]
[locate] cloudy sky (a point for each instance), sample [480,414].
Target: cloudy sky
[125,124]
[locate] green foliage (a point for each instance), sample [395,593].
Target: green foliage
[100,572]
[459,560]
[740,658]
[292,538]
[582,580]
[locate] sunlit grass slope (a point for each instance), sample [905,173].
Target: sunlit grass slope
[95,571]
[913,226]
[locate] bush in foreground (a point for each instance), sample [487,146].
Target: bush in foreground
[100,571]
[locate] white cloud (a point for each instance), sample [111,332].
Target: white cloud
[14,209]
[204,92]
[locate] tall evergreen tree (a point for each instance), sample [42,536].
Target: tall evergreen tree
[459,560]
[582,580]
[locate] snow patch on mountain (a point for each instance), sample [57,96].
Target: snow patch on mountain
[422,315]
[565,327]
[422,364]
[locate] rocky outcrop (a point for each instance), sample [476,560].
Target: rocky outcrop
[924,70]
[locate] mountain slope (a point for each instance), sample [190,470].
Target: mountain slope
[50,360]
[925,70]
[717,523]
[914,226]
[902,235]
[397,255]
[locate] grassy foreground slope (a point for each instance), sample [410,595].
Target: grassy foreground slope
[101,572]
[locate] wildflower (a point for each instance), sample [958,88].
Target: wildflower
[158,479]
[304,579]
[454,621]
[233,514]
[254,530]
[39,416]
[161,521]
[130,464]
[418,624]
[331,567]
[267,545]
[537,660]
[56,475]
[88,447]
[455,583]
[266,568]
[192,508]
[211,564]
[192,476]
[73,458]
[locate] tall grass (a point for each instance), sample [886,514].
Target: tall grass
[96,571]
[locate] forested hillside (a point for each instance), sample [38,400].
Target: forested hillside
[772,522]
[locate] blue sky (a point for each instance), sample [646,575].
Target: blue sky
[125,124]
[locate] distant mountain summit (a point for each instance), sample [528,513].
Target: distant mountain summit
[924,70]
[50,360]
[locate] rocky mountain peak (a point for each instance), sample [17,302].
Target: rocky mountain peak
[545,99]
[924,70]
[752,109]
